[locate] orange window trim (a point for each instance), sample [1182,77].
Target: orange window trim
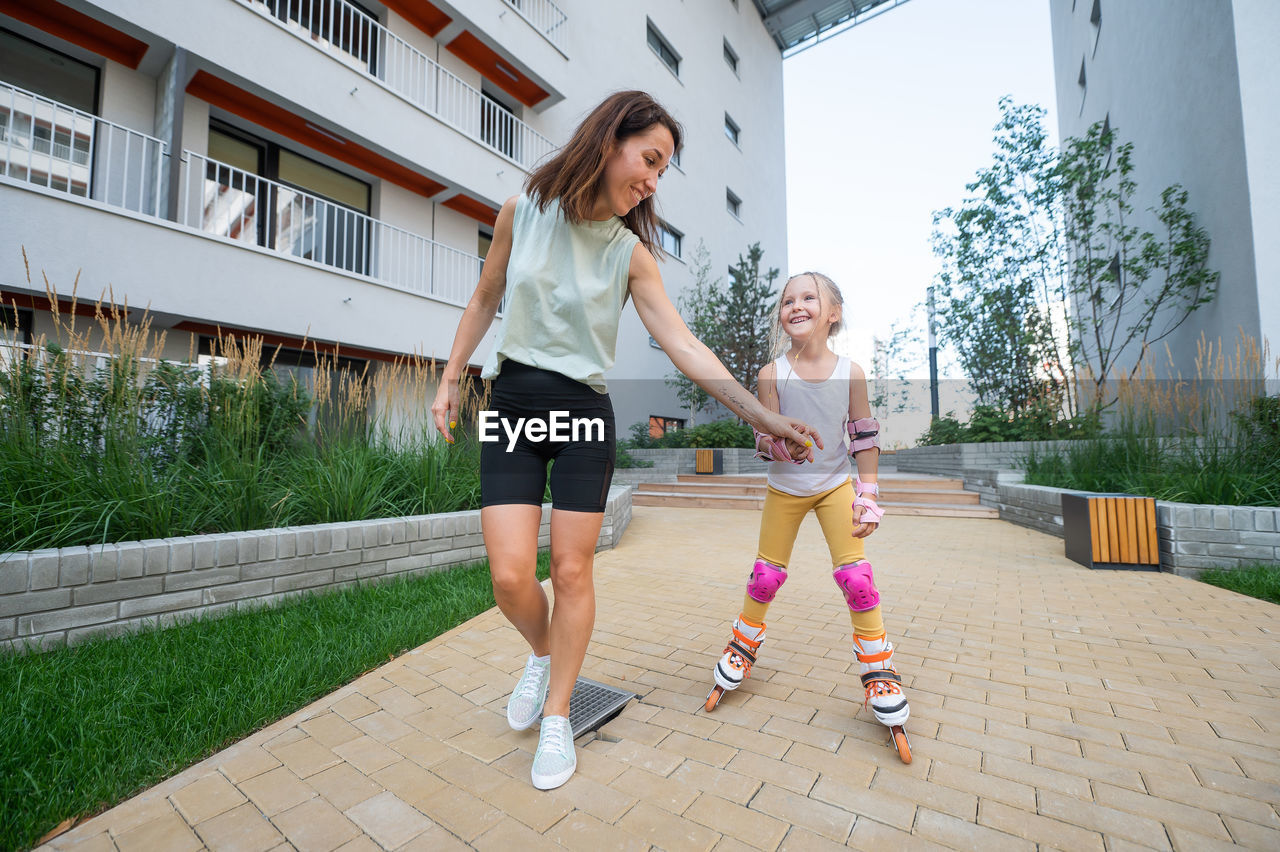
[468,206]
[262,112]
[78,28]
[495,69]
[421,14]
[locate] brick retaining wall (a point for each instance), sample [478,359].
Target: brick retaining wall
[69,594]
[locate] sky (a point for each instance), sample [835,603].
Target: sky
[886,123]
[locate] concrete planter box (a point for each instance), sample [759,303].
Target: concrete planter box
[1192,536]
[68,594]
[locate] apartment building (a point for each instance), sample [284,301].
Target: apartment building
[1192,84]
[329,171]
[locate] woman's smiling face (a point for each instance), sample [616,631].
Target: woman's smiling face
[632,170]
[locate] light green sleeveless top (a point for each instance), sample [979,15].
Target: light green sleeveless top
[566,287]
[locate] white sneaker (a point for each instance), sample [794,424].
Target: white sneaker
[555,760]
[525,705]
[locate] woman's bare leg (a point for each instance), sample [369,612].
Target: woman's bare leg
[511,538]
[573,550]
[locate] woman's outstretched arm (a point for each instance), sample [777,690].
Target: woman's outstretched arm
[476,319]
[692,357]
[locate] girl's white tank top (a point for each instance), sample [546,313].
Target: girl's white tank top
[824,406]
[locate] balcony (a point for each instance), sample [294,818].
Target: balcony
[50,144]
[349,36]
[545,17]
[226,203]
[85,158]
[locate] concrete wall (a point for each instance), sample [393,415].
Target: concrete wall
[1176,82]
[70,594]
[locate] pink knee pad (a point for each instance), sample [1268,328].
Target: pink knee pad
[766,579]
[858,585]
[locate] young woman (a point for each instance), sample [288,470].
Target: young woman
[567,254]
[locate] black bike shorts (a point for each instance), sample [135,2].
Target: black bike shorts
[538,416]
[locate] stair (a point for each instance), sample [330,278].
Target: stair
[900,494]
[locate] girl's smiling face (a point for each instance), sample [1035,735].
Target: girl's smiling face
[631,171]
[802,312]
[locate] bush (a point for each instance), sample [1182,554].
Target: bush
[729,433]
[1039,421]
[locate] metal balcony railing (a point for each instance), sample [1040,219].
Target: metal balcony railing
[352,37]
[545,17]
[50,144]
[235,205]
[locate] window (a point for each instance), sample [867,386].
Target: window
[254,193]
[730,56]
[732,203]
[659,425]
[663,48]
[675,159]
[15,325]
[1095,18]
[731,130]
[483,244]
[653,344]
[671,239]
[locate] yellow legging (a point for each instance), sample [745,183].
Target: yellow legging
[778,527]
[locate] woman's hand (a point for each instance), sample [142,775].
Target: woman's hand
[445,408]
[796,432]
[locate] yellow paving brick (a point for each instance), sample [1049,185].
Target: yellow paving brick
[630,729]
[366,754]
[205,798]
[1100,818]
[343,786]
[873,836]
[646,757]
[812,732]
[666,793]
[470,774]
[511,834]
[388,820]
[751,827]
[583,831]
[1253,835]
[666,830]
[434,839]
[409,781]
[888,808]
[460,812]
[603,802]
[987,787]
[241,829]
[330,729]
[727,785]
[480,746]
[100,842]
[957,803]
[246,763]
[354,706]
[773,707]
[759,742]
[1169,812]
[1037,776]
[695,748]
[964,834]
[422,750]
[847,768]
[798,779]
[315,824]
[1028,825]
[436,723]
[306,757]
[168,832]
[538,810]
[383,726]
[817,816]
[276,791]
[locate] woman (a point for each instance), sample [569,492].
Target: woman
[567,255]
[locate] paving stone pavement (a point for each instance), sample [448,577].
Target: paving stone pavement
[1052,707]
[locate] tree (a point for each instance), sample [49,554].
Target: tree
[734,319]
[1045,280]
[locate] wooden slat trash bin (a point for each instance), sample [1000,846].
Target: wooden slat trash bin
[709,462]
[1111,531]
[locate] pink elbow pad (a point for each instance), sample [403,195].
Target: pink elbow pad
[864,433]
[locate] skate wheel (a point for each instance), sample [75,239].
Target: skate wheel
[713,698]
[901,742]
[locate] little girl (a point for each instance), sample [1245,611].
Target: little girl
[827,391]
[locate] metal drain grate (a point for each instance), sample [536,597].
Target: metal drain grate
[592,704]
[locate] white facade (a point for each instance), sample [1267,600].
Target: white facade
[376,98]
[1193,85]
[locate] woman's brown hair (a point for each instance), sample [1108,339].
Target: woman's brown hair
[573,175]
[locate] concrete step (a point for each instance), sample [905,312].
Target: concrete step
[737,501]
[922,495]
[706,488]
[886,480]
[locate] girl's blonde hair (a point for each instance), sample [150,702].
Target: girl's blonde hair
[828,294]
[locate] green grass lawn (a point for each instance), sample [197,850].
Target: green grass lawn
[1257,581]
[85,727]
